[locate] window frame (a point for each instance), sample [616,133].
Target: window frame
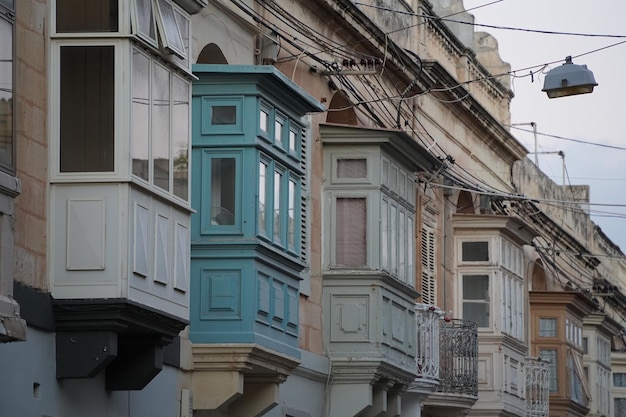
[621,400]
[512,316]
[123,25]
[168,38]
[121,107]
[287,176]
[622,375]
[400,249]
[135,26]
[545,319]
[206,226]
[339,156]
[150,183]
[172,44]
[488,301]
[8,15]
[553,374]
[370,226]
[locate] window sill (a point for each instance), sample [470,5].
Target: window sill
[10,185]
[12,326]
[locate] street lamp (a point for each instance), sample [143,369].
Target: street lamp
[569,79]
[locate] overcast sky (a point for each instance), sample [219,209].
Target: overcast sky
[598,117]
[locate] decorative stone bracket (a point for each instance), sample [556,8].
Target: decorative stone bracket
[367,388]
[242,379]
[117,335]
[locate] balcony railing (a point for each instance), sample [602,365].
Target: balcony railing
[458,360]
[537,388]
[428,319]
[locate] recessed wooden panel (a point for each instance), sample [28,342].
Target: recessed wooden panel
[263,298]
[181,258]
[349,318]
[220,295]
[278,290]
[485,371]
[161,254]
[398,323]
[293,305]
[140,249]
[85,235]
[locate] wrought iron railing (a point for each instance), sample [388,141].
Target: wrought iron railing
[537,387]
[427,359]
[458,357]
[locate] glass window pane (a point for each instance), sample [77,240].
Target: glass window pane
[292,141]
[140,115]
[6,94]
[475,251]
[223,115]
[393,238]
[402,273]
[384,234]
[410,237]
[385,172]
[477,312]
[161,127]
[351,229]
[87,109]
[263,118]
[172,37]
[351,168]
[278,132]
[262,198]
[183,26]
[146,25]
[223,191]
[476,287]
[619,379]
[547,327]
[9,4]
[180,136]
[619,407]
[278,180]
[291,222]
[550,356]
[87,16]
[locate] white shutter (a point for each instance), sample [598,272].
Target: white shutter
[429,283]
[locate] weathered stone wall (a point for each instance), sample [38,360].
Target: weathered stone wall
[32,142]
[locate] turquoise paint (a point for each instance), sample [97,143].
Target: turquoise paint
[244,277]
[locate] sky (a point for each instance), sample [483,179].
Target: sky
[597,117]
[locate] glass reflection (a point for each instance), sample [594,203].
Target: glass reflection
[6,93]
[140,145]
[161,127]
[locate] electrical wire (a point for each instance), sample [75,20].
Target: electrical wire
[446,19]
[568,139]
[459,178]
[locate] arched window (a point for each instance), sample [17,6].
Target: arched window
[211,54]
[464,203]
[341,110]
[539,282]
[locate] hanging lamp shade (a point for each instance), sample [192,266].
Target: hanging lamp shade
[569,79]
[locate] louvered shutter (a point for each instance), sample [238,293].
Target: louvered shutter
[429,284]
